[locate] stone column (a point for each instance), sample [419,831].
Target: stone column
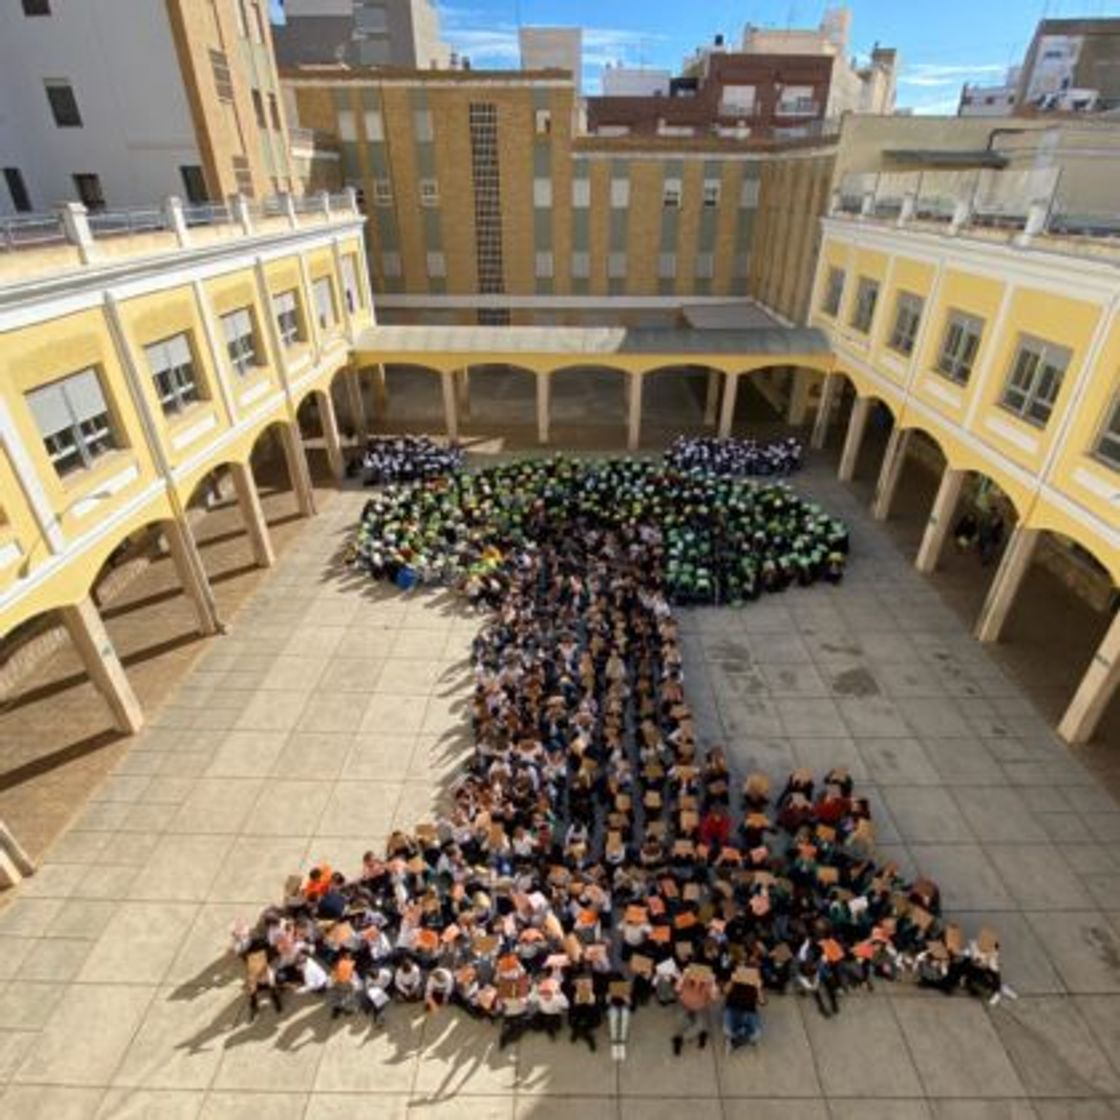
[711,402]
[356,405]
[890,473]
[940,521]
[249,502]
[1097,688]
[89,636]
[727,409]
[634,413]
[1008,579]
[380,393]
[450,411]
[463,392]
[192,574]
[329,422]
[798,397]
[295,455]
[544,392]
[857,425]
[830,387]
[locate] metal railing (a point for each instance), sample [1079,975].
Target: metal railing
[28,231]
[207,214]
[115,223]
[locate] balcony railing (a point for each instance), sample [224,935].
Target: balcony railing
[115,223]
[31,231]
[798,107]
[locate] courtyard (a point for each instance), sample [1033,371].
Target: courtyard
[334,712]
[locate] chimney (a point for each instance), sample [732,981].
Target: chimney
[466,63]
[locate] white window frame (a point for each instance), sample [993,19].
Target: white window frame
[326,310]
[542,193]
[429,193]
[374,125]
[1106,449]
[620,194]
[422,124]
[865,305]
[542,121]
[351,285]
[347,126]
[241,340]
[74,420]
[833,297]
[172,365]
[581,193]
[285,309]
[667,266]
[956,356]
[907,318]
[543,266]
[1032,387]
[382,193]
[712,190]
[616,266]
[436,264]
[671,194]
[581,265]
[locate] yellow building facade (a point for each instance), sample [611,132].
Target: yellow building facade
[126,380]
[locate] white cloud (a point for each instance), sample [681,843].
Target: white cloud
[945,107]
[924,75]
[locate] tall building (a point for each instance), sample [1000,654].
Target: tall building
[117,103]
[552,48]
[1071,64]
[361,33]
[990,101]
[486,205]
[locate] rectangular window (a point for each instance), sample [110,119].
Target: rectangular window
[219,67]
[542,193]
[429,192]
[543,121]
[671,194]
[375,127]
[422,124]
[907,316]
[243,175]
[274,112]
[256,24]
[390,264]
[350,286]
[737,101]
[36,7]
[1108,443]
[64,105]
[239,12]
[323,291]
[711,193]
[543,269]
[285,306]
[17,190]
[89,190]
[833,292]
[705,266]
[581,193]
[581,265]
[437,265]
[748,195]
[73,420]
[372,18]
[241,341]
[1035,380]
[667,266]
[347,126]
[867,295]
[616,266]
[382,192]
[620,193]
[172,364]
[959,345]
[194,184]
[258,108]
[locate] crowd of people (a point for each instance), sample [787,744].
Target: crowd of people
[593,857]
[407,459]
[740,458]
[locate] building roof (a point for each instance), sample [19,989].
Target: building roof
[330,73]
[947,157]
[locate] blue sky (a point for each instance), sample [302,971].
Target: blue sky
[942,42]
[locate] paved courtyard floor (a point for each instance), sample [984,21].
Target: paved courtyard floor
[335,711]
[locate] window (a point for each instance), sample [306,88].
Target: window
[36,7]
[347,125]
[907,316]
[372,18]
[239,12]
[737,101]
[1108,443]
[89,190]
[73,420]
[285,306]
[422,123]
[748,196]
[620,193]
[740,266]
[705,266]
[375,128]
[867,294]
[711,193]
[258,108]
[241,343]
[437,265]
[323,292]
[833,292]
[243,175]
[1036,378]
[616,266]
[542,192]
[390,264]
[382,192]
[667,266]
[17,189]
[543,121]
[671,194]
[581,266]
[64,105]
[219,67]
[581,193]
[351,289]
[172,366]
[544,266]
[256,25]
[429,192]
[194,183]
[959,346]
[274,112]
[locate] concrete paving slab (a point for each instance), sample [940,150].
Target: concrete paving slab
[1084,947]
